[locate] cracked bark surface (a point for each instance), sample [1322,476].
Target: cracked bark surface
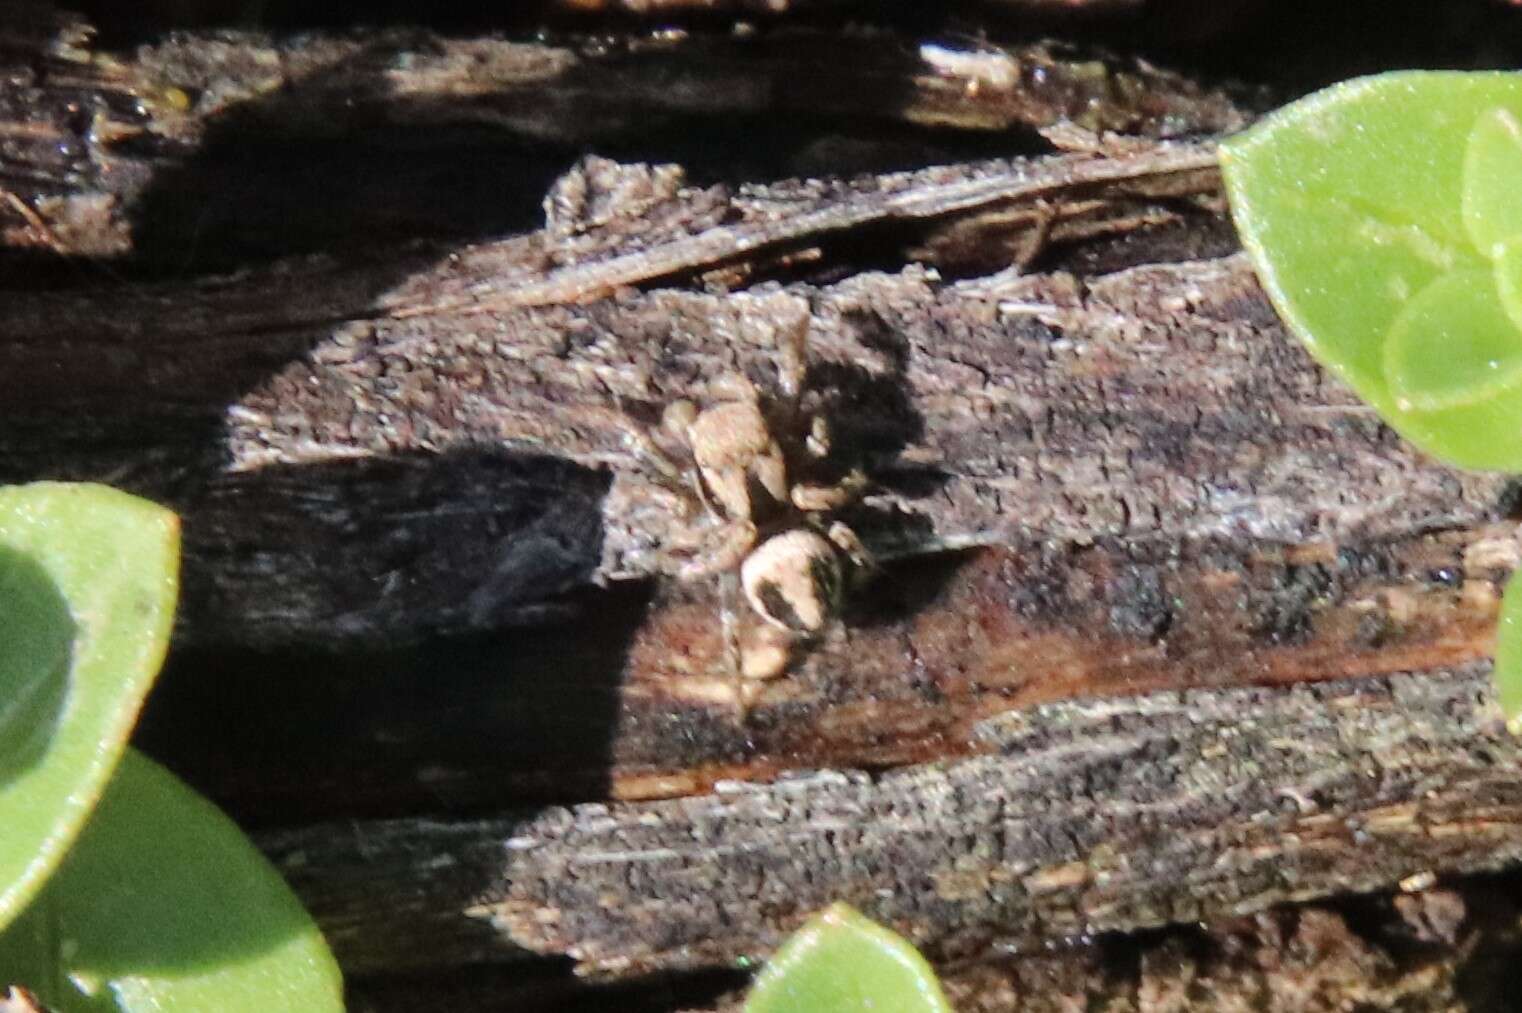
[1170,630]
[221,145]
[1422,952]
[1159,400]
[1085,817]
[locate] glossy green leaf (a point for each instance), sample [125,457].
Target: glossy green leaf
[88,580]
[1452,345]
[164,906]
[1383,220]
[1508,668]
[842,962]
[1492,166]
[1508,277]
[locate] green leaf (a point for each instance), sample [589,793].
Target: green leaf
[1380,215]
[842,962]
[164,906]
[1453,344]
[1508,277]
[1492,166]
[88,581]
[1508,668]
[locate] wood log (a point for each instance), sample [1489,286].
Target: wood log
[1084,817]
[1169,628]
[1157,400]
[209,151]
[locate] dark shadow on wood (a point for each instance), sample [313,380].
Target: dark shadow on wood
[374,544]
[253,196]
[278,177]
[270,178]
[1491,977]
[544,986]
[448,728]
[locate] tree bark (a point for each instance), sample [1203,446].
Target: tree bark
[1168,627]
[1082,818]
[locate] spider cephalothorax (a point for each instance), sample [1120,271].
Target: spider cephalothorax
[755,461]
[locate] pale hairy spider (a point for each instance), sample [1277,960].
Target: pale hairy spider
[769,524]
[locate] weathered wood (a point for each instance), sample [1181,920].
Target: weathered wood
[1102,473]
[777,8]
[1417,952]
[1439,950]
[631,695]
[161,369]
[1087,817]
[214,149]
[1159,400]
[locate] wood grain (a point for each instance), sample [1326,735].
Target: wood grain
[1085,817]
[1169,630]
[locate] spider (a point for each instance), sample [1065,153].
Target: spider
[770,526]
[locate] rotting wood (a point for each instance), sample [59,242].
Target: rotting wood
[633,699]
[1160,400]
[599,212]
[1434,948]
[1394,568]
[1089,816]
[1413,953]
[146,155]
[777,8]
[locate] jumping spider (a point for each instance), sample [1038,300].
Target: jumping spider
[753,461]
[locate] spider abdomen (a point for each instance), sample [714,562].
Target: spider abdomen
[794,580]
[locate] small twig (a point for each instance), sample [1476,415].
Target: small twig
[34,221]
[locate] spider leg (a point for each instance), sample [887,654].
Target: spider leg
[758,655]
[793,343]
[1035,242]
[658,465]
[729,622]
[815,498]
[818,441]
[847,541]
[735,542]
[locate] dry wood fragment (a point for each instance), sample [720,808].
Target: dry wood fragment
[632,699]
[1102,471]
[202,146]
[1433,949]
[1157,400]
[1089,816]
